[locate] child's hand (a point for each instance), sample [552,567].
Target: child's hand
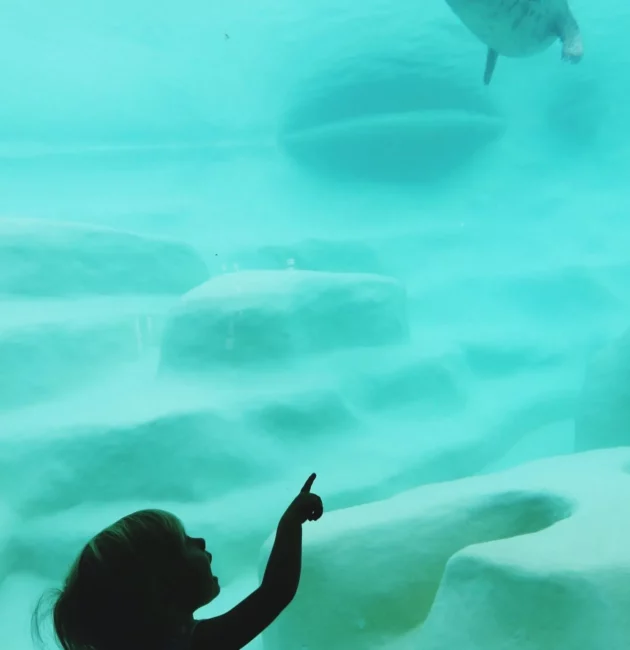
[306,506]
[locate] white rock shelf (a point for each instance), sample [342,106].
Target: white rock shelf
[532,558]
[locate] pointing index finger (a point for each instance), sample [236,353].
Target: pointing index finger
[309,483]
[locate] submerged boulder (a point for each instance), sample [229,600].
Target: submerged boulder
[268,316]
[41,258]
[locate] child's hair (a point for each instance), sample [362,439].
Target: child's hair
[120,590]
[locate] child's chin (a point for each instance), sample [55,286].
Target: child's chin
[216,588]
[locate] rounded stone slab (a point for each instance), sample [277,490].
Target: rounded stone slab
[257,317]
[40,258]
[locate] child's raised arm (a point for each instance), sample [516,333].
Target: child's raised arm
[236,628]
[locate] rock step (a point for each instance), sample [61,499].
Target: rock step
[263,317]
[40,258]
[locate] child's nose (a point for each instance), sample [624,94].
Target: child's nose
[201,543]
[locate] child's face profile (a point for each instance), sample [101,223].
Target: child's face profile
[201,584]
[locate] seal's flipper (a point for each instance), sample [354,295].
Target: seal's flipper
[572,47]
[491,61]
[569,33]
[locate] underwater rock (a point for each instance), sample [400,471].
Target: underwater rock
[390,122]
[271,316]
[530,558]
[177,457]
[41,258]
[43,360]
[338,256]
[603,418]
[304,416]
[49,348]
[429,386]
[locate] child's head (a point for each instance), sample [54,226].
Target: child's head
[134,583]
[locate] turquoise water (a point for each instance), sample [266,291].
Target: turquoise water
[242,243]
